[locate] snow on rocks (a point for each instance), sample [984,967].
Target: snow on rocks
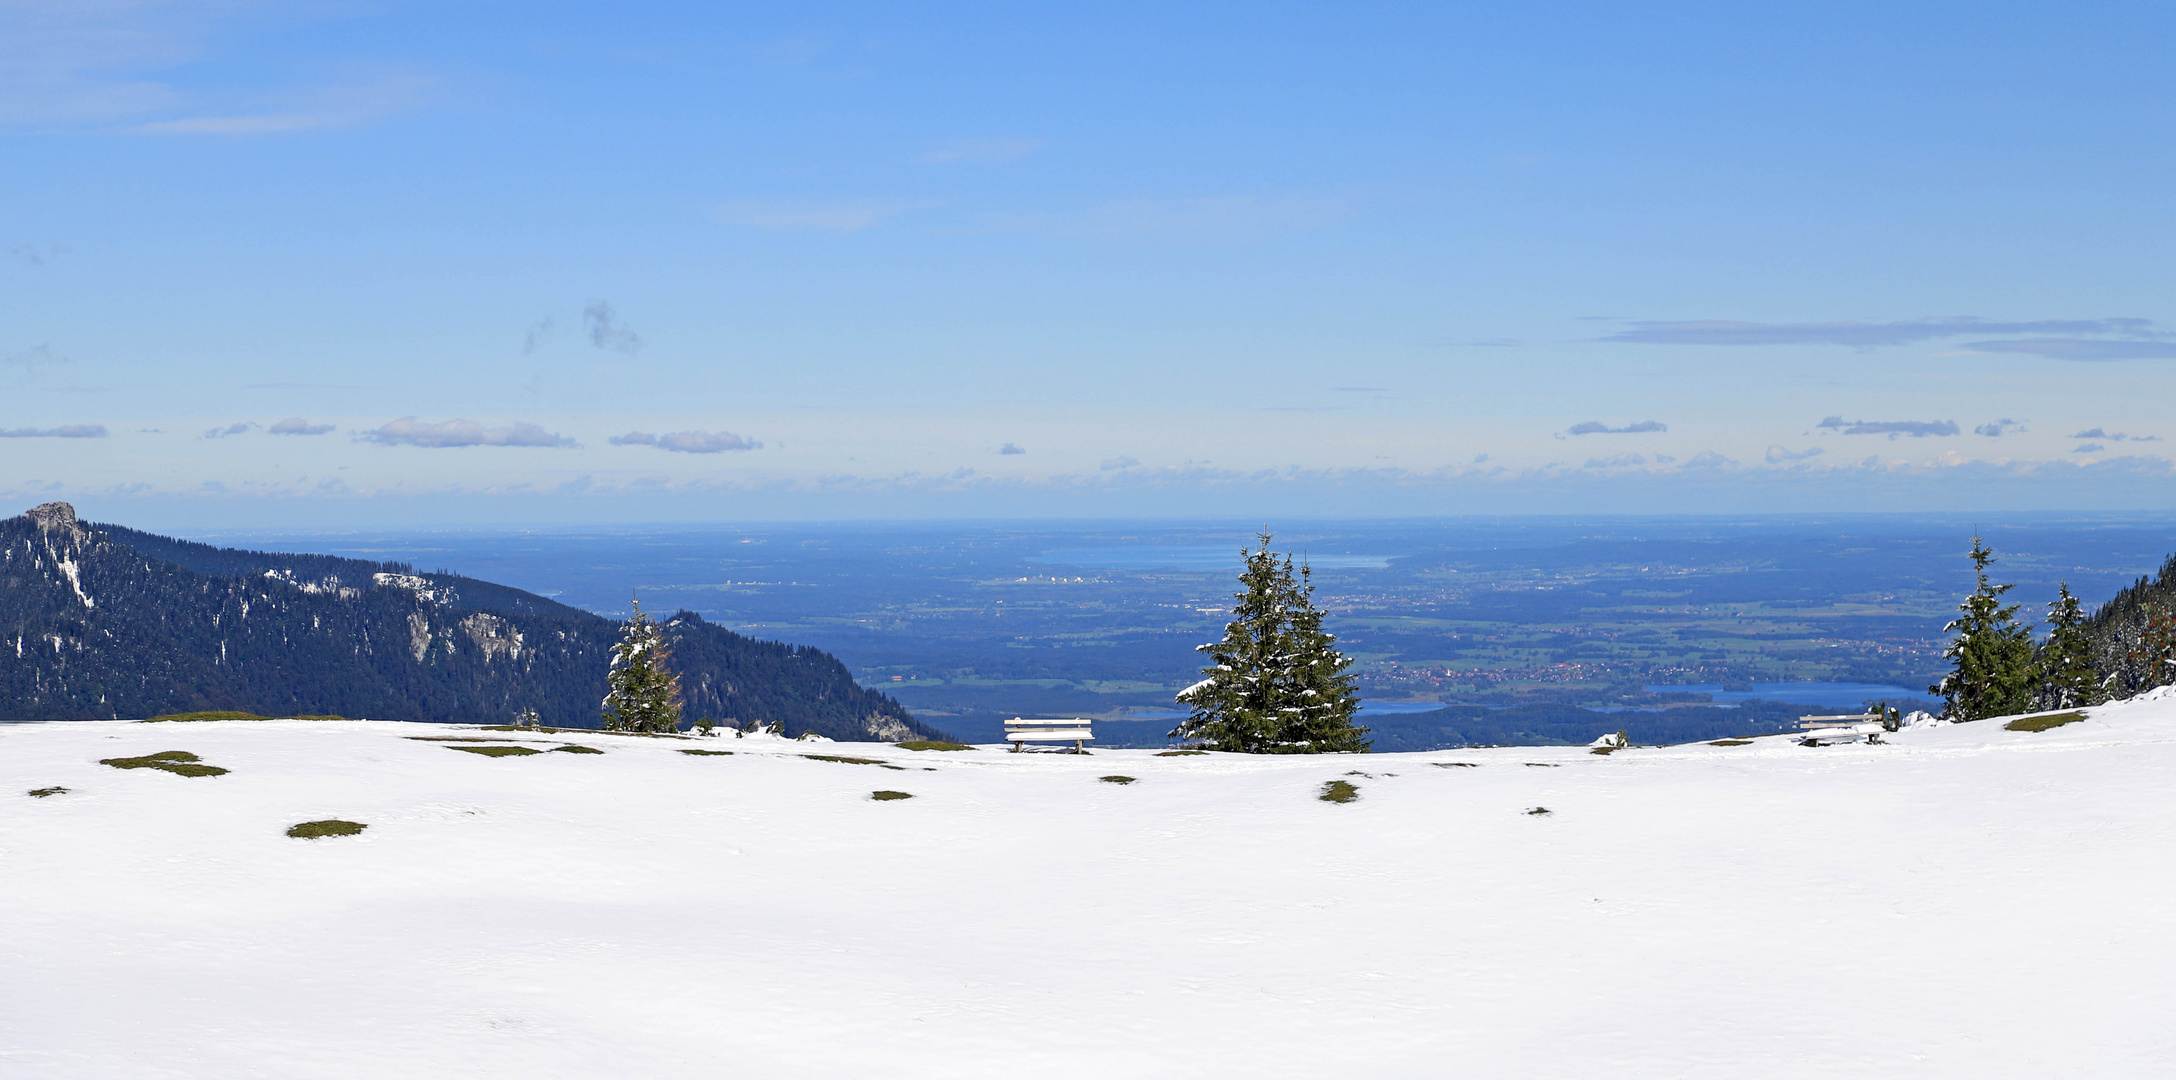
[1757,908]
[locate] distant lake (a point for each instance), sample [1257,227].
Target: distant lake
[1191,557]
[1838,695]
[1379,708]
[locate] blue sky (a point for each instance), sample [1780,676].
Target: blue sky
[472,262]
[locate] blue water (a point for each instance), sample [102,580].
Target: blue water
[1190,557]
[1380,708]
[1840,695]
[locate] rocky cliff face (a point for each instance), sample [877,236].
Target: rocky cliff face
[101,621]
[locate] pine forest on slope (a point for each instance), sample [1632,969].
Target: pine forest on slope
[102,621]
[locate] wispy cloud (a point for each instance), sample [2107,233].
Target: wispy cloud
[1218,217]
[36,356]
[65,431]
[1997,428]
[1122,461]
[606,331]
[406,431]
[535,337]
[1616,461]
[1863,335]
[687,442]
[1009,449]
[2114,436]
[846,215]
[295,425]
[1709,459]
[2079,348]
[1917,429]
[1778,455]
[35,254]
[2089,448]
[231,429]
[982,151]
[306,109]
[1596,427]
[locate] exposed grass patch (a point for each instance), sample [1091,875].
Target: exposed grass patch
[47,792]
[1338,791]
[888,796]
[933,744]
[571,748]
[1116,779]
[1180,753]
[1732,742]
[2042,723]
[1542,765]
[311,830]
[709,753]
[178,762]
[498,751]
[1605,751]
[1537,811]
[518,727]
[229,714]
[1456,764]
[843,760]
[452,738]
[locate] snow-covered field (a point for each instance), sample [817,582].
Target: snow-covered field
[1963,902]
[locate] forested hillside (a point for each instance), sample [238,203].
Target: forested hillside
[102,621]
[2121,631]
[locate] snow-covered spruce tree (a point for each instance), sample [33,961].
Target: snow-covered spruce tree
[2067,676]
[644,693]
[1991,654]
[1276,683]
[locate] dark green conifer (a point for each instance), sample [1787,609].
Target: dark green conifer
[644,693]
[1991,654]
[2067,673]
[1276,683]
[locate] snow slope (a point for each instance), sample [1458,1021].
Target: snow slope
[1966,901]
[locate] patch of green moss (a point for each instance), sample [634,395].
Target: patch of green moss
[229,714]
[573,749]
[1338,791]
[709,753]
[1180,753]
[44,792]
[311,830]
[888,796]
[498,751]
[1116,779]
[1732,742]
[2042,723]
[178,762]
[933,744]
[843,760]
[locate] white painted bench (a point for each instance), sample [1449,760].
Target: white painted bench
[1019,732]
[1823,730]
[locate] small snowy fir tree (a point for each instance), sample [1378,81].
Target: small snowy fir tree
[1991,654]
[1276,684]
[644,693]
[2066,661]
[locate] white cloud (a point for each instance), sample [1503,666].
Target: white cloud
[688,442]
[65,431]
[1009,448]
[295,425]
[1777,455]
[406,431]
[1122,461]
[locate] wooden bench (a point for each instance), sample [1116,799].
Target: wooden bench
[1019,732]
[1823,730]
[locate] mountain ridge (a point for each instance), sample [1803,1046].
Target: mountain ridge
[103,621]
